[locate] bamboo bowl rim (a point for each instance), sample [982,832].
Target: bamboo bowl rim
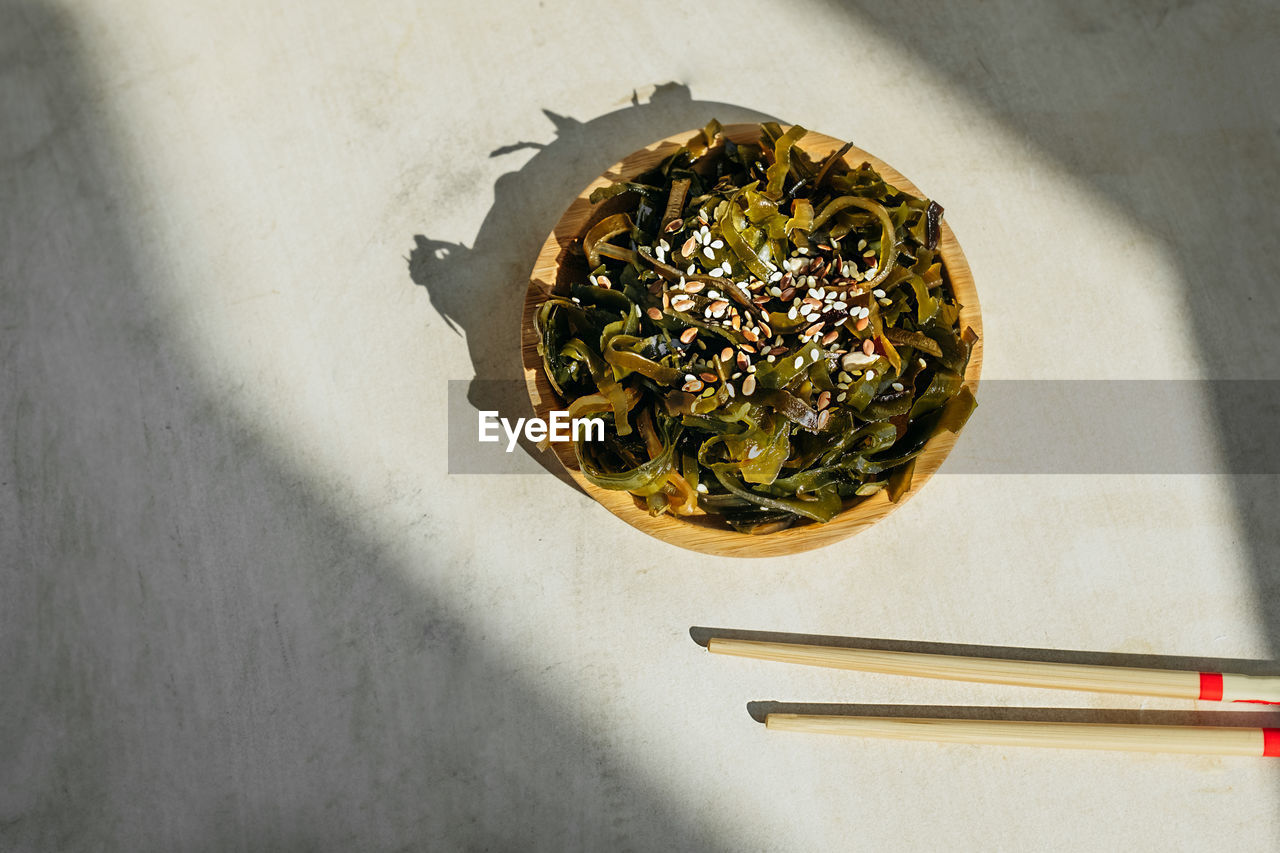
[705,533]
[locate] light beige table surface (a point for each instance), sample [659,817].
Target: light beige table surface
[243,605]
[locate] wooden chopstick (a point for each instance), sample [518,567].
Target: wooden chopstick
[1199,740]
[1226,687]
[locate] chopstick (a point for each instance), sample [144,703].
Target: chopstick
[1198,740]
[1177,684]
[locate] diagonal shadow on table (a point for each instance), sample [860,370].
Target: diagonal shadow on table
[1167,110]
[481,288]
[201,646]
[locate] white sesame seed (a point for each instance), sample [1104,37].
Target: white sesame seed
[717,244]
[840,305]
[921,362]
[803,250]
[776,276]
[878,293]
[864,312]
[799,361]
[862,244]
[702,488]
[715,273]
[704,231]
[576,299]
[689,377]
[725,266]
[897,386]
[664,245]
[713,294]
[771,358]
[661,254]
[791,314]
[592,279]
[691,270]
[710,255]
[871,374]
[737,374]
[775,291]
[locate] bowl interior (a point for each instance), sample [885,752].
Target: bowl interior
[557,265]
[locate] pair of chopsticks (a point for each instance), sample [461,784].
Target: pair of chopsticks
[1203,740]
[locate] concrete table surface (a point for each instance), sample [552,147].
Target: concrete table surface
[244,605]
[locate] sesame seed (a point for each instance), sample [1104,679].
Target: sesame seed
[871,374]
[771,358]
[799,362]
[691,269]
[710,255]
[729,388]
[661,254]
[702,488]
[878,293]
[862,244]
[841,397]
[802,250]
[897,386]
[922,362]
[664,245]
[725,266]
[776,276]
[791,314]
[716,273]
[864,312]
[717,244]
[576,299]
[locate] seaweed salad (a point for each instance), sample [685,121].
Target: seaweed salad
[767,337]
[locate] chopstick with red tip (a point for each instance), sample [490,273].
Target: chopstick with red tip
[1177,684]
[1198,740]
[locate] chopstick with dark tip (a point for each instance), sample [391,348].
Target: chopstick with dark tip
[1177,684]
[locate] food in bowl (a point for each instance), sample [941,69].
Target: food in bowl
[767,337]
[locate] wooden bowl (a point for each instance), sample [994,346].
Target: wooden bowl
[706,533]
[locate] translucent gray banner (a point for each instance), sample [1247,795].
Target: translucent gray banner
[1020,427]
